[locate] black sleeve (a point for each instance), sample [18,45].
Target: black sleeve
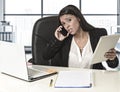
[52,48]
[113,63]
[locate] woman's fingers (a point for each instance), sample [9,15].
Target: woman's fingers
[111,54]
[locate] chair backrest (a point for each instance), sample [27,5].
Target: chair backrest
[43,30]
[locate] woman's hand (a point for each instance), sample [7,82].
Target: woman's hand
[59,35]
[111,54]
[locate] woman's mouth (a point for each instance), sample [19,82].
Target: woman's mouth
[69,31]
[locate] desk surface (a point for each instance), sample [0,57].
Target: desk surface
[104,81]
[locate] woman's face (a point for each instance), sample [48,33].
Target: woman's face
[70,23]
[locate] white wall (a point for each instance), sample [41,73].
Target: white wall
[1,10]
[118,12]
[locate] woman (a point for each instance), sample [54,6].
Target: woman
[77,47]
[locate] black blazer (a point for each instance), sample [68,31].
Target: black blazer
[57,52]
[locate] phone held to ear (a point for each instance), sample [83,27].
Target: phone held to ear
[63,31]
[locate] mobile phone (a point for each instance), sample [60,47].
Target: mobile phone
[63,31]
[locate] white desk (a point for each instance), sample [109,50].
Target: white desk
[104,81]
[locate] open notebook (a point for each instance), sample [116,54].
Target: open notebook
[13,62]
[74,79]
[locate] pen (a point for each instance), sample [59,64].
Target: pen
[51,82]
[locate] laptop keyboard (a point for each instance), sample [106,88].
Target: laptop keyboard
[36,73]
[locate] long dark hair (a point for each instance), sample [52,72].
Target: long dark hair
[73,10]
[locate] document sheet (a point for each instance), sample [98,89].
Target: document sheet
[104,45]
[74,79]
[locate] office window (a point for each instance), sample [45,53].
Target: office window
[54,6]
[22,14]
[23,26]
[23,7]
[102,21]
[99,6]
[100,13]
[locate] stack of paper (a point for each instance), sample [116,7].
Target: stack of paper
[73,79]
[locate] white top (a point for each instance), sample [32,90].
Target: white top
[78,60]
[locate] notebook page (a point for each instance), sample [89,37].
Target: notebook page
[73,79]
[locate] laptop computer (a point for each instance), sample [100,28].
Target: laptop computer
[104,45]
[13,63]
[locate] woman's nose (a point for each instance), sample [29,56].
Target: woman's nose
[67,26]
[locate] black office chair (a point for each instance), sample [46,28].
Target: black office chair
[43,30]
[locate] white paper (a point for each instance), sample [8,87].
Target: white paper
[73,79]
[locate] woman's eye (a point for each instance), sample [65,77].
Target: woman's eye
[69,19]
[63,23]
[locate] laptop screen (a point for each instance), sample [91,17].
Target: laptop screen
[13,60]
